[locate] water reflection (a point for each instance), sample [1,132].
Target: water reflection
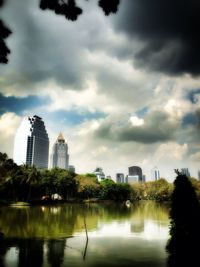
[55,236]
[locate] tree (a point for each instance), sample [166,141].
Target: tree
[185,224]
[31,177]
[88,186]
[7,167]
[67,8]
[4,33]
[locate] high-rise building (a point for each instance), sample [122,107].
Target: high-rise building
[72,169]
[155,174]
[99,173]
[60,156]
[132,179]
[136,171]
[120,178]
[31,145]
[185,171]
[199,175]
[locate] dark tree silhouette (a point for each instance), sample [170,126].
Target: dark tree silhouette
[4,33]
[67,8]
[185,224]
[109,6]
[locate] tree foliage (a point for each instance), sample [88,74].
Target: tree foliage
[184,226]
[88,186]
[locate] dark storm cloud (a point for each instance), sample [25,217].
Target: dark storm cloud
[168,30]
[156,128]
[20,105]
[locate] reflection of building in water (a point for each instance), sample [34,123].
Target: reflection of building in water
[99,173]
[55,254]
[120,178]
[137,225]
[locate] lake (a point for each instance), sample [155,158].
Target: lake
[56,235]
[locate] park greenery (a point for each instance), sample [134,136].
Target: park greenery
[29,184]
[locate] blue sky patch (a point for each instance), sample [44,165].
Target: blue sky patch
[19,105]
[189,119]
[142,112]
[192,95]
[73,117]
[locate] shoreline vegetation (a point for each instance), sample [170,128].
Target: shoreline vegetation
[27,185]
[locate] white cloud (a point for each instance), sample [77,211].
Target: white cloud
[195,157]
[135,121]
[8,125]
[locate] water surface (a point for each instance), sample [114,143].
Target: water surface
[56,235]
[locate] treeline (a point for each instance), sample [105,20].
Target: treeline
[27,183]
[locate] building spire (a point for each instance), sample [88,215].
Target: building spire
[60,137]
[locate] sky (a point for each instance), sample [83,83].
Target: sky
[123,89]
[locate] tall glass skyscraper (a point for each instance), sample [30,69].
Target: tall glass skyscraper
[155,174]
[31,144]
[136,171]
[60,156]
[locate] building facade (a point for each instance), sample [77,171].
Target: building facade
[135,171]
[130,179]
[72,169]
[185,171]
[99,173]
[60,156]
[120,178]
[155,174]
[31,145]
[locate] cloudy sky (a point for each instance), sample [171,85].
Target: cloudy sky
[123,89]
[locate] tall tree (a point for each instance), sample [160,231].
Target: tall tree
[184,225]
[31,176]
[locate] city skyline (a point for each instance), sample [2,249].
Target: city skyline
[29,148]
[108,85]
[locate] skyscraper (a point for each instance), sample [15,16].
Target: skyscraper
[155,174]
[185,171]
[60,157]
[99,173]
[136,171]
[120,178]
[31,145]
[199,175]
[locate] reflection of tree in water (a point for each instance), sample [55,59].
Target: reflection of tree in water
[38,222]
[55,254]
[30,253]
[185,225]
[3,250]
